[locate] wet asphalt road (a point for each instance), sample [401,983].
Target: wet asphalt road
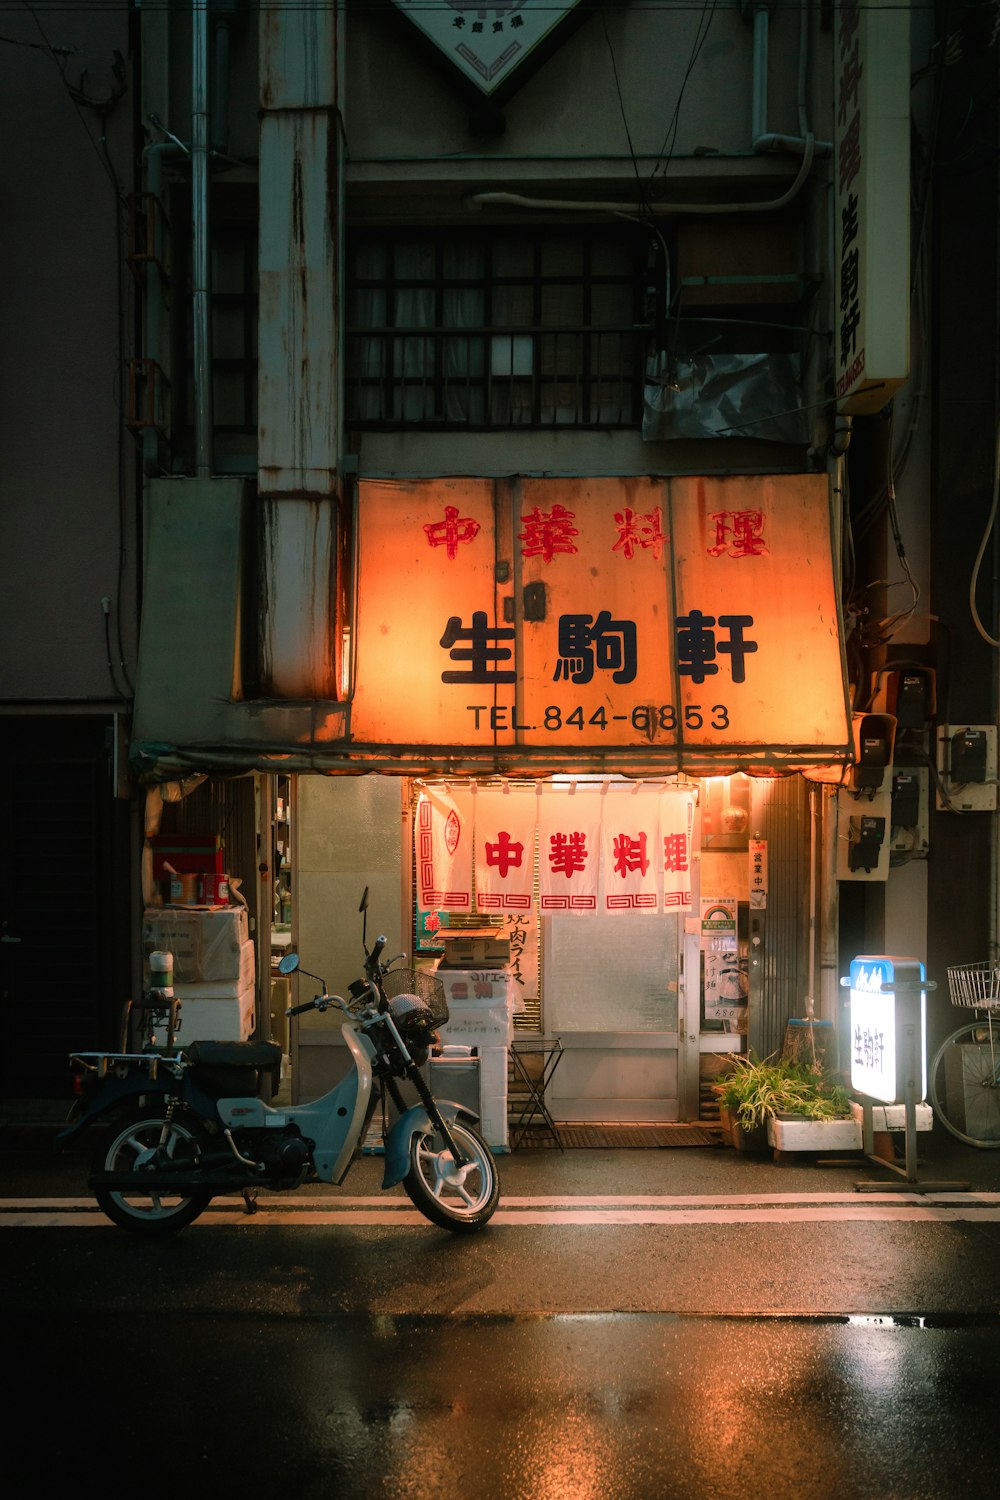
[745,1356]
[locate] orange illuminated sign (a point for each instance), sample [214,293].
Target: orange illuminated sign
[567,620]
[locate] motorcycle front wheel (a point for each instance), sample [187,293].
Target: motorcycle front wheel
[458,1198]
[131,1144]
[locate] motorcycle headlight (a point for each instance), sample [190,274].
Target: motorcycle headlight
[413,1019]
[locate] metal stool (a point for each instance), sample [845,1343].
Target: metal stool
[532,1066]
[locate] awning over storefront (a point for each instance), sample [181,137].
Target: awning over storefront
[532,626]
[604,624]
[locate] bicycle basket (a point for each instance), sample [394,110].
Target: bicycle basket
[427,988]
[976,986]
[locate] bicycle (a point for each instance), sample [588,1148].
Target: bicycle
[963,1081]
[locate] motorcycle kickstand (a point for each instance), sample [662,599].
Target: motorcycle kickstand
[250,1200]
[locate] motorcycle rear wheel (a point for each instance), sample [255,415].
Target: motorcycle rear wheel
[460,1199]
[129,1145]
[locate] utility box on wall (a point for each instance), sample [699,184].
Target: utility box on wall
[967,766]
[864,826]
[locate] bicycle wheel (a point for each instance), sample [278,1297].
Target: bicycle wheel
[963,1083]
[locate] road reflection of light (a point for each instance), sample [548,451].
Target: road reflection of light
[879,1364]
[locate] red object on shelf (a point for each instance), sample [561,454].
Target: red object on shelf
[214,890]
[187,854]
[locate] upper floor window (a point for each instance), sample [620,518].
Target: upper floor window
[497,328]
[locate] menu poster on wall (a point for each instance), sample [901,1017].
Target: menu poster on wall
[723,994]
[521,928]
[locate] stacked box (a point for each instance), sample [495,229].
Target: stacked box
[214,970]
[473,948]
[222,989]
[208,946]
[211,1018]
[493,1096]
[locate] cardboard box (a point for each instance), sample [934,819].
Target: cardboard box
[207,945]
[475,947]
[212,1020]
[221,989]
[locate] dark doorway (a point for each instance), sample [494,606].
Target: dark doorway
[64,899]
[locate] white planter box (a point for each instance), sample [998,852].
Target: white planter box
[841,1135]
[893,1116]
[814,1135]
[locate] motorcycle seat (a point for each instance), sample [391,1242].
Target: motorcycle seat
[228,1069]
[234,1054]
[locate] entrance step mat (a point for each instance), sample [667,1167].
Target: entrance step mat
[625,1137]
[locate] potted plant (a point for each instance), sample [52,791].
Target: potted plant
[754,1092]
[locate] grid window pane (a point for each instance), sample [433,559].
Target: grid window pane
[529,306]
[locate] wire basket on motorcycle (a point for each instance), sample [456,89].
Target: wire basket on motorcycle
[427,988]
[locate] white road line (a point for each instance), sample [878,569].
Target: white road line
[336,1201]
[771,1209]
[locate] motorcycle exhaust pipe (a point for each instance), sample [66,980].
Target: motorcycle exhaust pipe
[175,1182]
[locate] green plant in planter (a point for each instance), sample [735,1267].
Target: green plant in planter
[754,1090]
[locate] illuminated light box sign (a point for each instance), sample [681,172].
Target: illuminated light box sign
[690,618]
[887,994]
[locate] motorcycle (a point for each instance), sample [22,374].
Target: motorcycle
[183,1124]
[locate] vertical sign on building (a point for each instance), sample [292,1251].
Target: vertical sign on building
[872,179]
[758,874]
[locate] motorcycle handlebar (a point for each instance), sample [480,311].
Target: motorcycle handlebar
[376,953]
[296,1010]
[319,1002]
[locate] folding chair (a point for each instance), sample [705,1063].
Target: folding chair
[532,1066]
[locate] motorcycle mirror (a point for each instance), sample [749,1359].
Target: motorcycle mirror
[288,964]
[363,905]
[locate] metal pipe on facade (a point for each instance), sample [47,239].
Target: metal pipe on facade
[201,245]
[813,899]
[655,210]
[155,156]
[764,139]
[220,84]
[758,103]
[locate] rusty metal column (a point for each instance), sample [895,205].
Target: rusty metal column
[299,422]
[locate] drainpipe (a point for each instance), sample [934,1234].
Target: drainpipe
[201,246]
[155,157]
[763,139]
[219,123]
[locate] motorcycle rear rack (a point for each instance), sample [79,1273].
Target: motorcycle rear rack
[150,1063]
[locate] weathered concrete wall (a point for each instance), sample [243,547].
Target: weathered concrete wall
[67,537]
[403,105]
[347,836]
